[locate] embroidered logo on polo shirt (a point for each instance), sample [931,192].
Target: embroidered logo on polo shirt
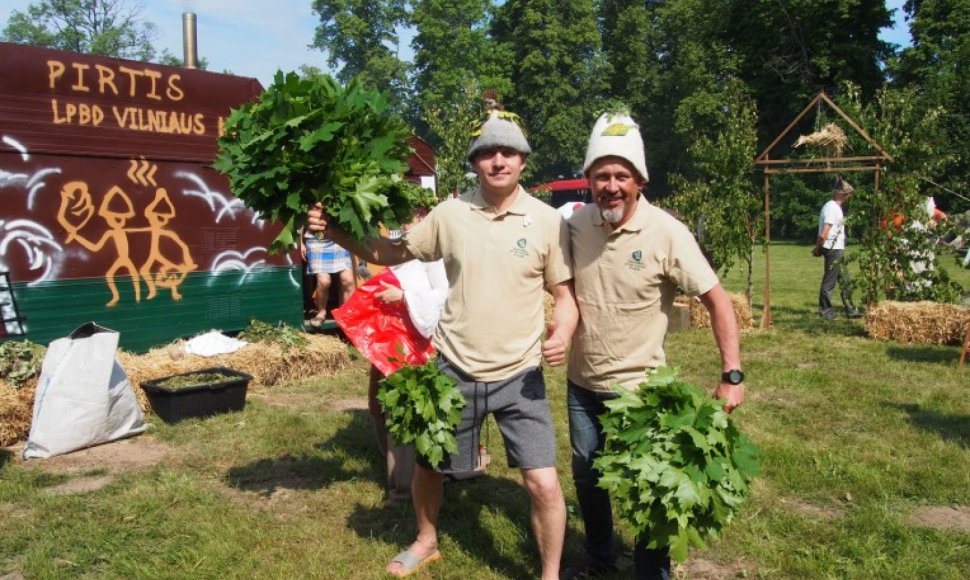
[520,248]
[635,262]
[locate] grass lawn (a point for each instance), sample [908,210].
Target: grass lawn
[866,451]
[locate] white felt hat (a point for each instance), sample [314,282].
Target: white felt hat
[617,135]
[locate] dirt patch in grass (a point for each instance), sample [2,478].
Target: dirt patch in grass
[358,404]
[299,401]
[293,401]
[95,467]
[946,518]
[703,569]
[821,512]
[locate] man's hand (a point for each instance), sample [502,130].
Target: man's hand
[390,294]
[817,251]
[554,347]
[316,218]
[733,395]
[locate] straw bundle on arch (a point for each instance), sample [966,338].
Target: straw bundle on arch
[830,137]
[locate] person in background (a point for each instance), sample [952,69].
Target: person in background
[502,250]
[324,258]
[830,244]
[424,288]
[629,259]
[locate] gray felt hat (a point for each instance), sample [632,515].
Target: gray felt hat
[500,130]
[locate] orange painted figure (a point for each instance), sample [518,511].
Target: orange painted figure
[116,210]
[158,269]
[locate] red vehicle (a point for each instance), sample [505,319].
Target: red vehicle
[565,191]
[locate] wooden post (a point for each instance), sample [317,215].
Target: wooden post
[766,321]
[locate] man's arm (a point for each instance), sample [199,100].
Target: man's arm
[820,241]
[380,251]
[565,316]
[725,327]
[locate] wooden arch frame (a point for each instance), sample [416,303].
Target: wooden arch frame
[788,165]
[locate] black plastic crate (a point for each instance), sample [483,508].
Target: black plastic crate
[173,405]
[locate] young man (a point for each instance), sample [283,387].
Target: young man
[629,258]
[831,244]
[502,249]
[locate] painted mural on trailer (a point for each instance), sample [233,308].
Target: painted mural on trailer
[110,208]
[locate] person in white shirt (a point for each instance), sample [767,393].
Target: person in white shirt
[830,244]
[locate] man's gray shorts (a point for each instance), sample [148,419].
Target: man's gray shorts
[521,410]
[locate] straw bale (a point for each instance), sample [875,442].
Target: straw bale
[547,304]
[16,411]
[268,364]
[700,318]
[917,322]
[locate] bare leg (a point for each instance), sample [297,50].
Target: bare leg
[427,493]
[347,284]
[323,294]
[548,516]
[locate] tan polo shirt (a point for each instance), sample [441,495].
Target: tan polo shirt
[498,267]
[626,282]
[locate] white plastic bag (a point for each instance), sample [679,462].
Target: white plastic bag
[83,397]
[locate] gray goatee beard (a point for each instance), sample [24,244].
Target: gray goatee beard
[612,215]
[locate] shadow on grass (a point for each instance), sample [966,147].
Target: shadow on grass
[925,353]
[5,457]
[468,505]
[331,461]
[808,321]
[954,428]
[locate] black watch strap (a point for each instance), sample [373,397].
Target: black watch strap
[733,376]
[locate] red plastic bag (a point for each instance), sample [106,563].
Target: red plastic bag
[382,332]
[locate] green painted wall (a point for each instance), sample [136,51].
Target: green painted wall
[226,301]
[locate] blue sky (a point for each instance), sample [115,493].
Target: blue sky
[256,37]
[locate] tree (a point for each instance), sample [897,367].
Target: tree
[671,65]
[791,49]
[103,27]
[936,68]
[451,122]
[558,74]
[899,262]
[451,51]
[721,202]
[171,60]
[360,37]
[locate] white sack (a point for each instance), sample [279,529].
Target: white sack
[83,396]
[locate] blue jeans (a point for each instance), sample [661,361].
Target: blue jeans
[587,439]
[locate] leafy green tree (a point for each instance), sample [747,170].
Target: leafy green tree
[451,122]
[791,49]
[360,38]
[899,262]
[670,64]
[936,68]
[170,59]
[558,72]
[452,49]
[103,27]
[721,202]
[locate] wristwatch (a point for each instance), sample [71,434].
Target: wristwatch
[733,376]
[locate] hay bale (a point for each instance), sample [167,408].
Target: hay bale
[16,411]
[700,318]
[917,322]
[268,364]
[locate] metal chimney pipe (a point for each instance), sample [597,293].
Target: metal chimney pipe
[190,46]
